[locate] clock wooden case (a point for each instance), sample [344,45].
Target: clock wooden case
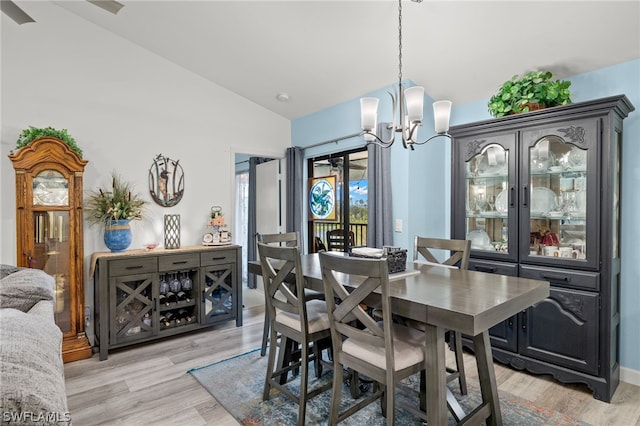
[49,225]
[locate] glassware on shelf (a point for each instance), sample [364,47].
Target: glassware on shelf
[175,285]
[186,282]
[491,203]
[481,202]
[164,285]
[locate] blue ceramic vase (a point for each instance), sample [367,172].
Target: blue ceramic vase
[117,235]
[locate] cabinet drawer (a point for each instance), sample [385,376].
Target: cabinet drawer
[501,268]
[178,261]
[137,265]
[215,257]
[562,277]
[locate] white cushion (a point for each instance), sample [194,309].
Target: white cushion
[408,346]
[317,317]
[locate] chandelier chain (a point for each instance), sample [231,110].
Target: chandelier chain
[399,41]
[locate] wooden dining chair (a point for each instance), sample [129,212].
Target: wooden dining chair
[291,317]
[336,240]
[386,352]
[458,257]
[319,245]
[287,239]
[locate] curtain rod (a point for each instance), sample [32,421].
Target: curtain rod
[336,140]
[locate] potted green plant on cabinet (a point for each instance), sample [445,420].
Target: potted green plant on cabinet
[114,209]
[532,91]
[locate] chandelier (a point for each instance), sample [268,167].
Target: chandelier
[410,102]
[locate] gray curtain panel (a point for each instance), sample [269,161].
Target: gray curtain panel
[252,252]
[295,188]
[379,229]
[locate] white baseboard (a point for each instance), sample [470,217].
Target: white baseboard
[630,376]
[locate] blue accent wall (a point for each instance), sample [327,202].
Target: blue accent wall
[421,180]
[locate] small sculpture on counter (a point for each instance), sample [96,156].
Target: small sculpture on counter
[219,235]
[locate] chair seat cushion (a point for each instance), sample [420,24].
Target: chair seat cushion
[317,317]
[408,346]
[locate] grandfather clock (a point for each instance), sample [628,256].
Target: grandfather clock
[49,231]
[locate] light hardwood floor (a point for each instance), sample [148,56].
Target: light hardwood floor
[149,384]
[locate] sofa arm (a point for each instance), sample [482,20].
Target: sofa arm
[31,369]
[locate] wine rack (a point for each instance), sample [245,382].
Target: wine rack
[176,301]
[146,295]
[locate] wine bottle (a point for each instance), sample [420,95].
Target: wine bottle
[162,299]
[185,315]
[172,316]
[171,298]
[183,296]
[164,321]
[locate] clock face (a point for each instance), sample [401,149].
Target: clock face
[322,199]
[207,238]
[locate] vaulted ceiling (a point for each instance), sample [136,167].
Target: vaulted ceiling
[321,53]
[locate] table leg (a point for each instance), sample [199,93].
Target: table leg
[487,377]
[434,355]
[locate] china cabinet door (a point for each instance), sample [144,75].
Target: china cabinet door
[49,225]
[562,329]
[489,169]
[559,195]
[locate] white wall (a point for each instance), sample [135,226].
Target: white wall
[124,105]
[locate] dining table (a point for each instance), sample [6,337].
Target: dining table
[448,299]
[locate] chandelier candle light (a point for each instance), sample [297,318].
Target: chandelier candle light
[410,116]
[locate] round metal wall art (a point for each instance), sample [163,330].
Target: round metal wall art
[166,181]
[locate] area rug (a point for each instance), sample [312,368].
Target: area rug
[237,384]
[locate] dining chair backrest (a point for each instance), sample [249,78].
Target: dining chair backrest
[459,251]
[279,292]
[347,318]
[318,245]
[288,239]
[336,240]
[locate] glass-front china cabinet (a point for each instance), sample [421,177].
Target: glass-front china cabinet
[49,225]
[538,195]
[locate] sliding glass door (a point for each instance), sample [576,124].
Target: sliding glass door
[338,202]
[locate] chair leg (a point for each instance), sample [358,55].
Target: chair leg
[336,394]
[304,379]
[354,387]
[423,391]
[460,362]
[390,402]
[317,359]
[265,334]
[270,362]
[387,403]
